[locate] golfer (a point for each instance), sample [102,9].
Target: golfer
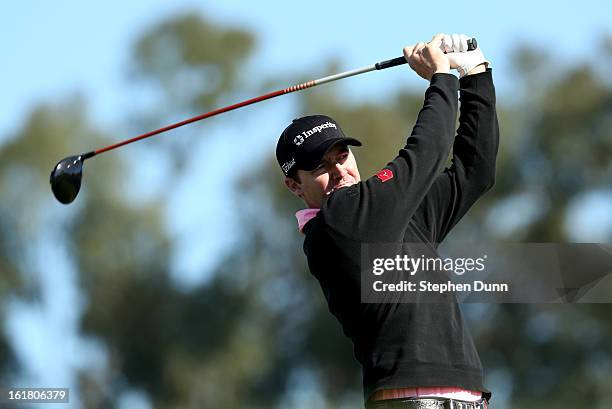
[413,354]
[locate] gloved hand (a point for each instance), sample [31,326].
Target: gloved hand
[456,48]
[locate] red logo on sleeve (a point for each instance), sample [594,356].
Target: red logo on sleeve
[384,175]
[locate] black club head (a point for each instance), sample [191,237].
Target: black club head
[66,178]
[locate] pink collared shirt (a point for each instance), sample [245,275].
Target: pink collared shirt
[304,216]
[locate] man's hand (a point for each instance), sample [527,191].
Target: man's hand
[428,59]
[466,62]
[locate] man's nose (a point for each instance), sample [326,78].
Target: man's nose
[339,170]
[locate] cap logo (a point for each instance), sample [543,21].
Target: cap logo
[288,165]
[299,139]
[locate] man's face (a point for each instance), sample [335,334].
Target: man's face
[338,169]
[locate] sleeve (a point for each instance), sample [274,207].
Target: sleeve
[379,209]
[472,172]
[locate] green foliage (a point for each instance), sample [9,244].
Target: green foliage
[192,65]
[193,60]
[27,209]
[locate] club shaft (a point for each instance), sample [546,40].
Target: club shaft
[288,90]
[378,66]
[194,119]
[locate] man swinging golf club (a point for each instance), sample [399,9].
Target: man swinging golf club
[414,354]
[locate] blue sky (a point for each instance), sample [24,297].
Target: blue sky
[54,49]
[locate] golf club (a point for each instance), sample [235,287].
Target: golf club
[66,176]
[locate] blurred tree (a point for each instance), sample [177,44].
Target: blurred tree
[556,355]
[193,60]
[28,212]
[192,65]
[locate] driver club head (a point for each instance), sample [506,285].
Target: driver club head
[66,178]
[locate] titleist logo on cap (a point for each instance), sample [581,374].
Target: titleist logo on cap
[288,165]
[299,139]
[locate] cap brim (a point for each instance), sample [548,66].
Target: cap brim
[315,157]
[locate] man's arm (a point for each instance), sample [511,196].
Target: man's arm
[380,208]
[474,155]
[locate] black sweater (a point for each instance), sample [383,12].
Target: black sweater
[400,342]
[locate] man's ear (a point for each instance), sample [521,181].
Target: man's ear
[294,186]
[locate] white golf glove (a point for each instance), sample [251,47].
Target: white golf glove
[456,48]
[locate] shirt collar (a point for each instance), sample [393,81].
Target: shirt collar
[303,216]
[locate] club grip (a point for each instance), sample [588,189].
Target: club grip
[472,45]
[390,63]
